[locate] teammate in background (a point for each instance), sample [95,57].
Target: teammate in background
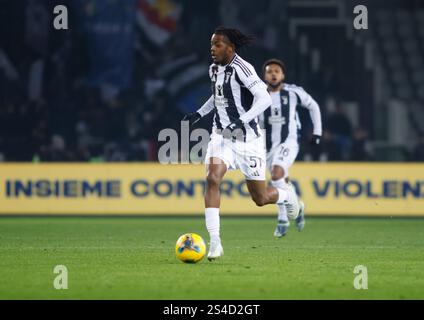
[281,125]
[238,97]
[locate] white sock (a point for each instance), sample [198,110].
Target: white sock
[212,223]
[282,196]
[280,183]
[282,211]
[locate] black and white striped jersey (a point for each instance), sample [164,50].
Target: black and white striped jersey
[281,122]
[233,94]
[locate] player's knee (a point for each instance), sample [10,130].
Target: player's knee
[259,199]
[213,179]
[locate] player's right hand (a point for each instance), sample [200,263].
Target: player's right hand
[235,131]
[192,118]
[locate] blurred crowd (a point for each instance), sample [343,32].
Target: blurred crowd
[52,111]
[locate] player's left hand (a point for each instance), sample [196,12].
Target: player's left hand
[235,130]
[316,139]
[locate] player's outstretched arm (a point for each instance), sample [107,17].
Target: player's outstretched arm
[193,117]
[315,115]
[262,102]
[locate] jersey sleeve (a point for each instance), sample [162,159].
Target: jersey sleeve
[248,76]
[249,79]
[209,104]
[304,98]
[206,107]
[306,101]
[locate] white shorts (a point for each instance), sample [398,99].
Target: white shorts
[249,157]
[283,156]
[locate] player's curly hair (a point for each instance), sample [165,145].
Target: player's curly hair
[236,37]
[274,61]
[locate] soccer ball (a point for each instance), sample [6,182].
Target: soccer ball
[190,248]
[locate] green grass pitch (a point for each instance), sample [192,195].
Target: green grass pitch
[133,258]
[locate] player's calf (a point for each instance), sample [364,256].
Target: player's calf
[260,200]
[267,195]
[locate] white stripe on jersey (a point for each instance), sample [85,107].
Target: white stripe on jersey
[278,117]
